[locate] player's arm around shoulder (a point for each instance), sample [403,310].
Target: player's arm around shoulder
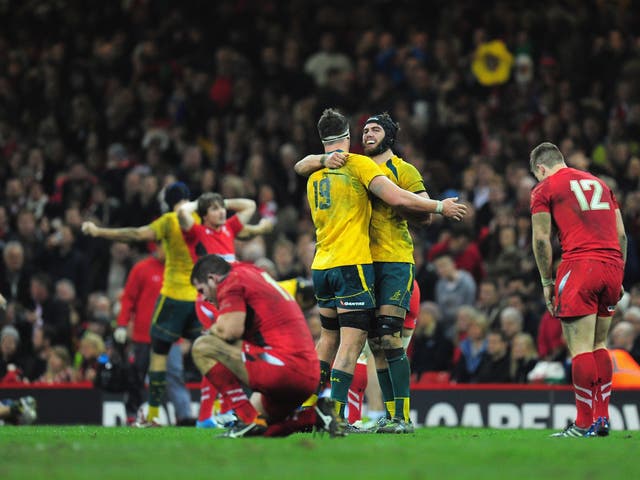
[395,196]
[314,162]
[263,227]
[230,326]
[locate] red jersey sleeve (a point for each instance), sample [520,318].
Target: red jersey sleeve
[540,198]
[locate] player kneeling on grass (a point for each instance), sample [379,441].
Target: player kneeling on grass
[260,341]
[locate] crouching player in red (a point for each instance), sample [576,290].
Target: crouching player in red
[260,341]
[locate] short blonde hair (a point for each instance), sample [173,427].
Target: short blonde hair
[95,340]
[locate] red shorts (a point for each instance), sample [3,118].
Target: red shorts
[584,287]
[285,379]
[414,308]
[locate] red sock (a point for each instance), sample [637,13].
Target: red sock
[300,421]
[584,373]
[207,397]
[602,390]
[355,396]
[232,392]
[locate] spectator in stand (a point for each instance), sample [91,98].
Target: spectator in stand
[62,260]
[11,361]
[29,236]
[511,322]
[458,241]
[15,278]
[284,259]
[99,314]
[59,368]
[520,302]
[523,357]
[495,363]
[455,287]
[430,350]
[86,361]
[46,310]
[65,292]
[120,263]
[327,59]
[510,254]
[488,302]
[472,348]
[623,336]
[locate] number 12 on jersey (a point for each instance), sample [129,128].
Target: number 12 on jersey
[322,193]
[579,187]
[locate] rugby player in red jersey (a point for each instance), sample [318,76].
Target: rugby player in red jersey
[260,341]
[588,283]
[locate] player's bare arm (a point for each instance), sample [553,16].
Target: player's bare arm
[185,215]
[395,196]
[230,326]
[622,235]
[541,226]
[311,163]
[543,253]
[244,208]
[263,227]
[126,234]
[429,218]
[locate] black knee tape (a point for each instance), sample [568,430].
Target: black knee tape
[393,353]
[161,347]
[329,323]
[361,319]
[389,325]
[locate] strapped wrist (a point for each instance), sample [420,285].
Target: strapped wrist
[323,160]
[547,282]
[439,206]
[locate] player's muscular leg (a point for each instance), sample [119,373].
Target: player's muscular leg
[351,344]
[579,333]
[208,350]
[327,345]
[603,324]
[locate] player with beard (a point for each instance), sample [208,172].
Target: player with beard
[347,315]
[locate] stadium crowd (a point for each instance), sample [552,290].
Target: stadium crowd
[120,99]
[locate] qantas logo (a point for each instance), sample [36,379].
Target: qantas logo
[351,304]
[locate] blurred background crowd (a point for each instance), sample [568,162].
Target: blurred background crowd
[102,104]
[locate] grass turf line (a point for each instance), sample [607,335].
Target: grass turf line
[82,452]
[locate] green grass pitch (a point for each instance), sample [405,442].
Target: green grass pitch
[90,452]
